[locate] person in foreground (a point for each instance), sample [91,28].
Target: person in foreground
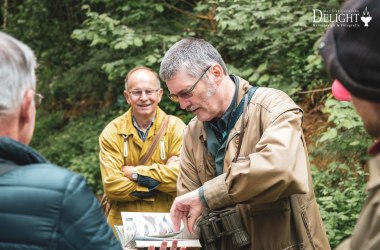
[131,183]
[42,206]
[352,57]
[244,150]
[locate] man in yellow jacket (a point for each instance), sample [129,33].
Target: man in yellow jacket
[129,184]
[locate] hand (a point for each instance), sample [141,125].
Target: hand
[127,171]
[164,245]
[174,158]
[188,208]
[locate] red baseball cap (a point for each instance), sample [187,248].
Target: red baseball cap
[340,92]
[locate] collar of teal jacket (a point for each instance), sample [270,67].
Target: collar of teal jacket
[18,153]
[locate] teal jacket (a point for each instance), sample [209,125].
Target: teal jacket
[43,206]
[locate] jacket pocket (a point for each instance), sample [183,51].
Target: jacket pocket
[271,226]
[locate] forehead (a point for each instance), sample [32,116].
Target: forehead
[180,81]
[142,79]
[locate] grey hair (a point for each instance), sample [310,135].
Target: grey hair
[192,55]
[139,68]
[17,71]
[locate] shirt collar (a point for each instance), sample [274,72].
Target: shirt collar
[141,133]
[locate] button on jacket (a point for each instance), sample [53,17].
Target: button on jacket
[270,185]
[43,206]
[155,188]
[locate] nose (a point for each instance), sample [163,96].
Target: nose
[183,104]
[143,96]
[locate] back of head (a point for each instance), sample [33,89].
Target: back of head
[352,54]
[17,72]
[192,55]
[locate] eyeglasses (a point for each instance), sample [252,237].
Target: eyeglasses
[187,93]
[148,92]
[38,99]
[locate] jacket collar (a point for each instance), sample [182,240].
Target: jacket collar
[20,154]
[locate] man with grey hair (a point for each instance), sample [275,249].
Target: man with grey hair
[42,206]
[139,151]
[245,151]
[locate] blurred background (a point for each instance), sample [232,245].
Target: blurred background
[86,47]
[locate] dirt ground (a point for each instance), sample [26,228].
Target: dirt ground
[315,121]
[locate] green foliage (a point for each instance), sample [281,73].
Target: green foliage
[73,143]
[340,188]
[86,47]
[134,43]
[277,39]
[346,136]
[340,193]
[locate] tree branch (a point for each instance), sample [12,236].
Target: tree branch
[5,14]
[314,90]
[189,14]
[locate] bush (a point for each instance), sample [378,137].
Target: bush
[340,185]
[340,193]
[73,143]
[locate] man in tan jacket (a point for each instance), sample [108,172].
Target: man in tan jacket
[245,149]
[352,56]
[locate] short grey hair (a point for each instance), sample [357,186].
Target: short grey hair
[17,71]
[192,55]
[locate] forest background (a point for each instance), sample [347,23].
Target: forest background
[85,48]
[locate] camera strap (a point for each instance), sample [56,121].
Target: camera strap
[236,114]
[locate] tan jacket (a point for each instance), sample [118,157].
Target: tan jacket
[121,145]
[367,229]
[270,184]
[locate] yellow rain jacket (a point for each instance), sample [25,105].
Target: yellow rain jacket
[120,145]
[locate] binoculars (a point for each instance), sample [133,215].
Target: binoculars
[219,224]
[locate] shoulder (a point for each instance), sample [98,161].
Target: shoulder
[49,176]
[175,127]
[46,183]
[273,101]
[194,128]
[175,121]
[114,126]
[271,98]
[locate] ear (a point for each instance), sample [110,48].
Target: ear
[27,117]
[28,109]
[126,97]
[160,93]
[217,72]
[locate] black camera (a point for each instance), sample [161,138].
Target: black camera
[218,224]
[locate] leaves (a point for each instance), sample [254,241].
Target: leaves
[85,48]
[340,194]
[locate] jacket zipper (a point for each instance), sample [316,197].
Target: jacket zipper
[125,145]
[162,149]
